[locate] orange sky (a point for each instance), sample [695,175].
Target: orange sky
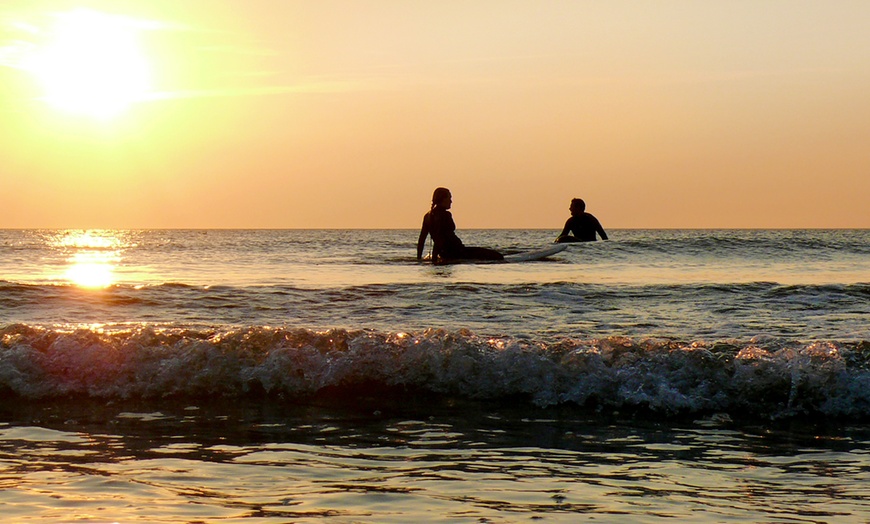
[300,114]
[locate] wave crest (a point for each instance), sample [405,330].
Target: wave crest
[763,376]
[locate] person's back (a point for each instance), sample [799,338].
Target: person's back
[582,226]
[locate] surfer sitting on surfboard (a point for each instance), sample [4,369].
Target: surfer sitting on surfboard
[446,246]
[582,224]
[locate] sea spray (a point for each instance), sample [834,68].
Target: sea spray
[763,376]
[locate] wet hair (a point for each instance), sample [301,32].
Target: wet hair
[578,203]
[440,194]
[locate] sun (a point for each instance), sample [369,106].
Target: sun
[91,63]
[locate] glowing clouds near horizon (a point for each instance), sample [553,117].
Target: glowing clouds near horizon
[91,64]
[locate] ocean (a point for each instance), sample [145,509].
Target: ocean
[278,376]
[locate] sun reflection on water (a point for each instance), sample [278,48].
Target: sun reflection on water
[87,271]
[92,239]
[93,257]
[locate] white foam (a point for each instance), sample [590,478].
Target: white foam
[762,376]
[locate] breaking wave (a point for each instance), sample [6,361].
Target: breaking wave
[762,376]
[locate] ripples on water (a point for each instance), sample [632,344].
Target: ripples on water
[301,376]
[547,311]
[318,258]
[419,460]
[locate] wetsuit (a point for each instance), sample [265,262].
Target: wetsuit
[583,226]
[446,246]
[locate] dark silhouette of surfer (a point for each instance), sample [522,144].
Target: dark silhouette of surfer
[582,226]
[446,246]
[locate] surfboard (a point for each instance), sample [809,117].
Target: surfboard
[537,254]
[525,256]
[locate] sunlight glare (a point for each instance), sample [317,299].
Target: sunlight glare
[91,272]
[93,258]
[92,239]
[91,64]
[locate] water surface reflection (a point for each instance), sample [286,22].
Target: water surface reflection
[271,461]
[91,256]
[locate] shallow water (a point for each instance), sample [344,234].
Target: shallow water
[294,376]
[419,459]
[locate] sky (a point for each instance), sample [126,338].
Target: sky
[348,114]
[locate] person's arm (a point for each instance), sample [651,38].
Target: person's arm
[600,230]
[424,232]
[566,230]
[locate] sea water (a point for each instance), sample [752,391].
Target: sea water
[302,376]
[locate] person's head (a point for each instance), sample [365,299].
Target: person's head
[442,198]
[578,206]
